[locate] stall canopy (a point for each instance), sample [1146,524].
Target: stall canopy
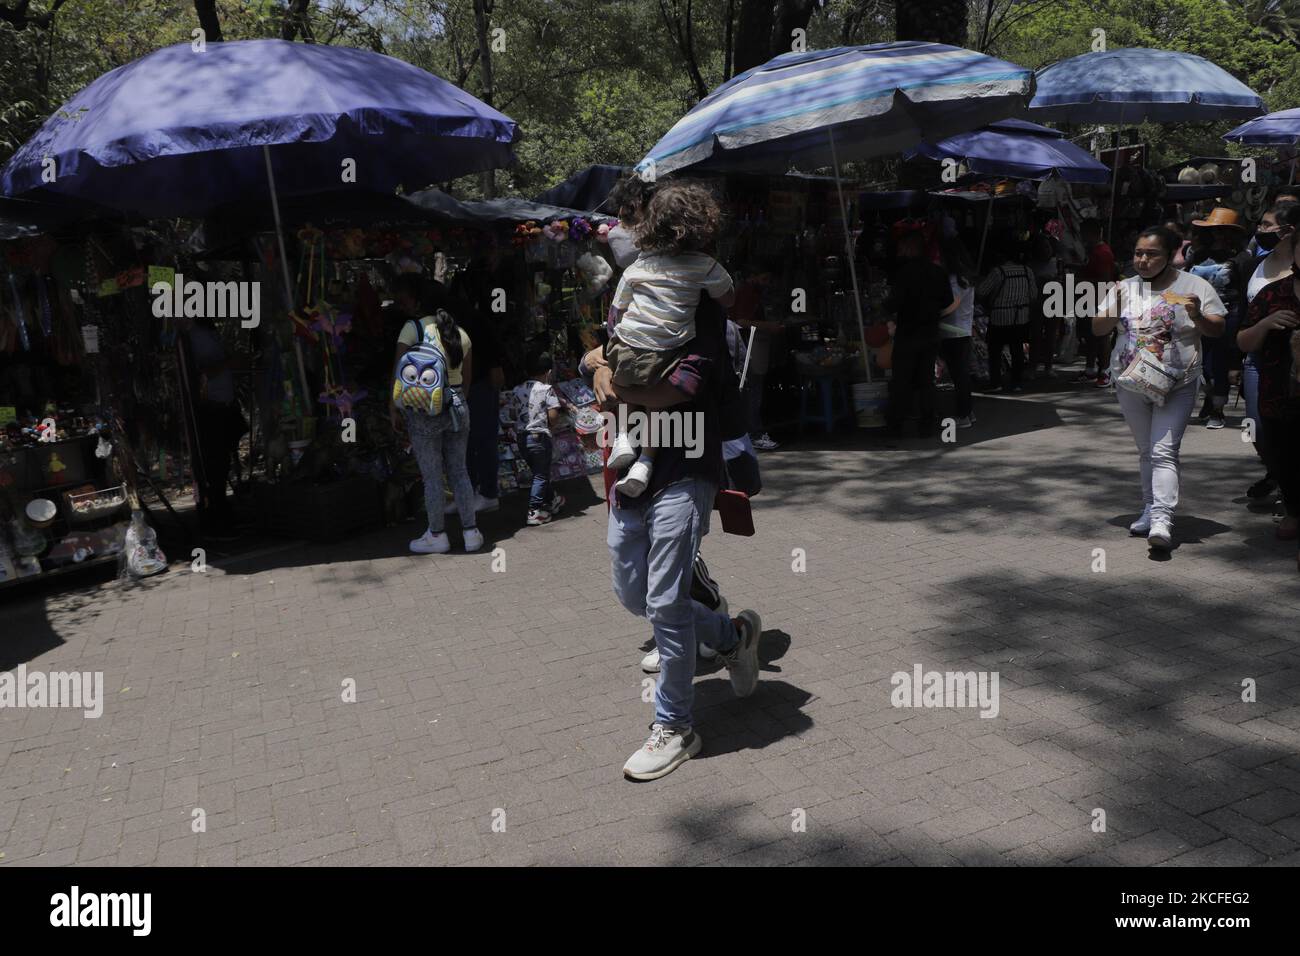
[1017,148]
[437,204]
[23,219]
[808,110]
[586,189]
[179,132]
[1129,85]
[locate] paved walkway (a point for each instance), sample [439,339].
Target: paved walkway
[479,692]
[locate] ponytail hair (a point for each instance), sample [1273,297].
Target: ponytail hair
[449,332]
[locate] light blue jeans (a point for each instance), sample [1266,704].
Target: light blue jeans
[436,445]
[1158,433]
[652,549]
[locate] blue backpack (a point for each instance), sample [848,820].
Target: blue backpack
[421,377]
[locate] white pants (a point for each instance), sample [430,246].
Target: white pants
[1158,431]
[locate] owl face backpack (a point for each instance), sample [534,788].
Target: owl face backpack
[420,380]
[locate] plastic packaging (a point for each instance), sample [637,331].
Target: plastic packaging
[141,556]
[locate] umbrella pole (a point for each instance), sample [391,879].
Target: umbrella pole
[288,281]
[848,248]
[1114,180]
[748,350]
[984,236]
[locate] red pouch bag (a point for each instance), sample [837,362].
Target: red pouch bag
[733,508]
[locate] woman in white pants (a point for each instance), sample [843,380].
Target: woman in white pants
[1165,311]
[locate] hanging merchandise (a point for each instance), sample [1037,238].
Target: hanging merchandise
[19,316]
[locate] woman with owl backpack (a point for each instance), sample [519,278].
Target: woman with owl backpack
[432,373]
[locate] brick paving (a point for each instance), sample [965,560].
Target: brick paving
[479,691]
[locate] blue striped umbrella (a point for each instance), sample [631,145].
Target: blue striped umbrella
[808,110]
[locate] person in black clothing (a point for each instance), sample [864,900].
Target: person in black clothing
[470,300]
[919,296]
[1216,256]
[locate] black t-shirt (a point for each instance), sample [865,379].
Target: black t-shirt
[702,374]
[699,372]
[919,291]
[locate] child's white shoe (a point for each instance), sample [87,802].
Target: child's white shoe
[637,478]
[622,453]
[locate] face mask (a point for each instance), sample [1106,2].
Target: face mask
[1267,240]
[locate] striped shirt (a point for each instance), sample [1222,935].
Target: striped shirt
[1010,290]
[660,293]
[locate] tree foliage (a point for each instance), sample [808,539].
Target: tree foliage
[601,80]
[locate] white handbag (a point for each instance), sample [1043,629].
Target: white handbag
[1148,376]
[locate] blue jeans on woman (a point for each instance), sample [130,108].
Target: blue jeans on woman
[437,445]
[652,551]
[536,450]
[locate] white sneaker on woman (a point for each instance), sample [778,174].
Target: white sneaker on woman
[1161,536]
[1143,523]
[473,539]
[430,543]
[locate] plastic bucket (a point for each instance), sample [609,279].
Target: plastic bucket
[870,399]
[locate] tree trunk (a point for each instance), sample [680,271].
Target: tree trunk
[754,34]
[791,15]
[296,21]
[208,20]
[729,41]
[482,25]
[936,21]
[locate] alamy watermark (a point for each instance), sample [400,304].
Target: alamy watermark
[657,429]
[76,690]
[213,300]
[1086,298]
[923,688]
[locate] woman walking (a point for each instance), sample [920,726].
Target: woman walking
[438,439]
[1161,314]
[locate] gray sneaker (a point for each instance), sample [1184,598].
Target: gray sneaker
[665,750]
[742,660]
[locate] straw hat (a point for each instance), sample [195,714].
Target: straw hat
[1221,217]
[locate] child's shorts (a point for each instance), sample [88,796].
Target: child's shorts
[633,367]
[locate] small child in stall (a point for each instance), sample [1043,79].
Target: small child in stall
[539,413]
[655,304]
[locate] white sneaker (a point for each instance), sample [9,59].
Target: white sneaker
[650,663]
[473,539]
[966,422]
[1143,523]
[765,443]
[636,479]
[430,543]
[622,453]
[485,504]
[1161,536]
[742,660]
[665,750]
